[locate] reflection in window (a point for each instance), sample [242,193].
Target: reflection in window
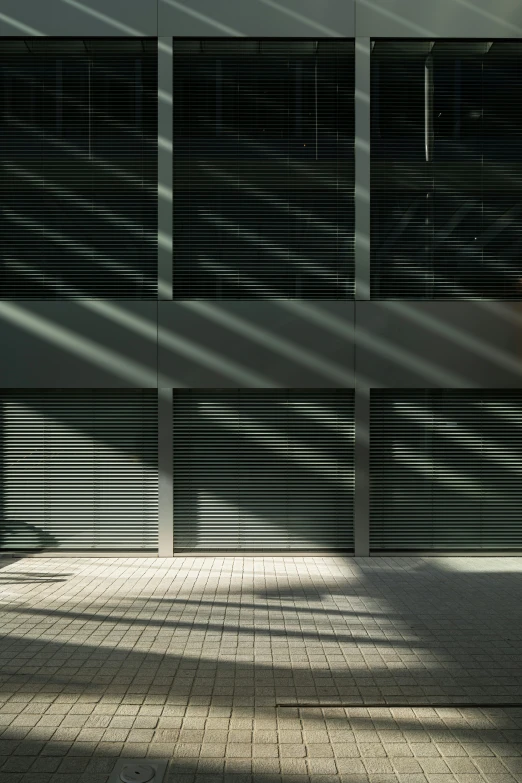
[263,169]
[446,169]
[78,168]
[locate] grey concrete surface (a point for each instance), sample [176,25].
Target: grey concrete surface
[457,344]
[185,659]
[443,18]
[257,18]
[256,344]
[79,17]
[78,344]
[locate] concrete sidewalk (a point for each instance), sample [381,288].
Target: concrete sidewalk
[189,658]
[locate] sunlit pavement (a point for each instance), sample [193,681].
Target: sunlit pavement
[189,658]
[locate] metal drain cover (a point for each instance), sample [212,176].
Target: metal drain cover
[137,773]
[133,770]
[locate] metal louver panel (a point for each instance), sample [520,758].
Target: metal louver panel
[446,169]
[446,469]
[263,469]
[78,168]
[78,469]
[263,173]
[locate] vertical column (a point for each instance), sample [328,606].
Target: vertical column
[165,438]
[362,469]
[165,447]
[362,291]
[362,168]
[165,168]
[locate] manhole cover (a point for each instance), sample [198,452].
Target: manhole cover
[137,773]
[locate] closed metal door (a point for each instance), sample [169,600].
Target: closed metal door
[263,469]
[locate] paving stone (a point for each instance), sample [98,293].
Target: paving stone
[322,766]
[185,658]
[374,765]
[17,764]
[313,750]
[434,766]
[351,766]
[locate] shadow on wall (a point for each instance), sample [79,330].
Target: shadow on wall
[263,469]
[35,538]
[11,530]
[311,446]
[469,470]
[74,102]
[445,466]
[78,469]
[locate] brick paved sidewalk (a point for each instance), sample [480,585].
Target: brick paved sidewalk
[187,659]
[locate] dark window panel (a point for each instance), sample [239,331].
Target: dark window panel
[78,170]
[446,225]
[263,170]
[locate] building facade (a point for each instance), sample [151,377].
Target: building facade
[260,272]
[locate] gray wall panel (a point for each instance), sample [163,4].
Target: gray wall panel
[451,18]
[256,344]
[79,17]
[439,344]
[256,18]
[80,344]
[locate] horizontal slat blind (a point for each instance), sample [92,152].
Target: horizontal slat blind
[78,168]
[446,169]
[263,469]
[78,469]
[446,469]
[263,169]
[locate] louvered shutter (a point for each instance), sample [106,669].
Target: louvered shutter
[263,469]
[78,168]
[446,470]
[79,469]
[446,152]
[263,169]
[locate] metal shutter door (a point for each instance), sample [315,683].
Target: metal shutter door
[78,162]
[446,171]
[263,169]
[446,469]
[79,469]
[263,469]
